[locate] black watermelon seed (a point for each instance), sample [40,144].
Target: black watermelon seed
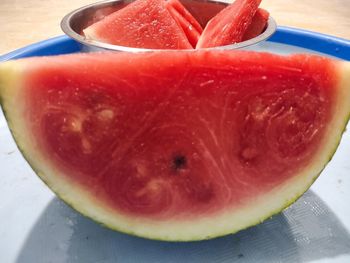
[179,162]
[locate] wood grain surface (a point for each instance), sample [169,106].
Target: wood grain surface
[23,22]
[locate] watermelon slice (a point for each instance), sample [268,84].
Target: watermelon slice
[141,24]
[229,25]
[184,19]
[209,144]
[181,10]
[203,11]
[258,24]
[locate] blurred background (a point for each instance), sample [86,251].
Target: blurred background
[23,22]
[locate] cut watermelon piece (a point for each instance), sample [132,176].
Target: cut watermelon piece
[258,24]
[209,144]
[181,10]
[184,19]
[203,11]
[229,25]
[141,24]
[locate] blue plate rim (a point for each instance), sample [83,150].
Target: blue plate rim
[323,43]
[327,44]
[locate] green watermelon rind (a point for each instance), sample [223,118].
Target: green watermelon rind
[288,202]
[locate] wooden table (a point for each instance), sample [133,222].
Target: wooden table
[27,21]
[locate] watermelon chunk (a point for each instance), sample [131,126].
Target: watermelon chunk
[181,10]
[141,24]
[209,144]
[229,25]
[258,24]
[187,22]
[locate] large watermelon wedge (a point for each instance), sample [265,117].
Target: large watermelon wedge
[177,145]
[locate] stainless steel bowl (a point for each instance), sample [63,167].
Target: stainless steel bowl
[74,23]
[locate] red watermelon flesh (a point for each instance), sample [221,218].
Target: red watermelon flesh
[258,24]
[184,19]
[141,24]
[203,11]
[181,10]
[229,25]
[208,144]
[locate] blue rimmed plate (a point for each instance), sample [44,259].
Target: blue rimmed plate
[36,227]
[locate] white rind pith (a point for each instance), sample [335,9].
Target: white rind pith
[253,212]
[90,34]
